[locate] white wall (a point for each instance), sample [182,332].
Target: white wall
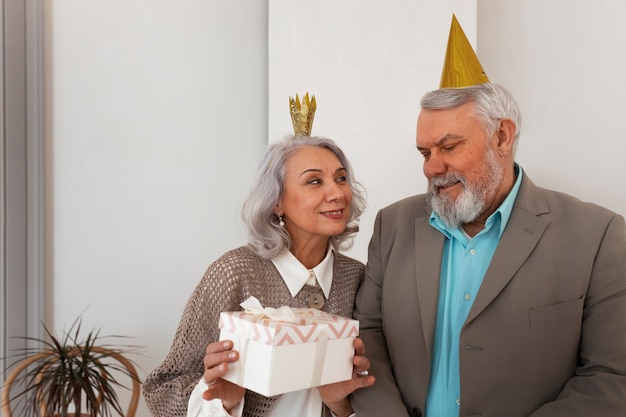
[158,111]
[368,63]
[156,119]
[564,60]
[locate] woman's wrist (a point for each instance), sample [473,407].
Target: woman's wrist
[228,406]
[349,415]
[342,408]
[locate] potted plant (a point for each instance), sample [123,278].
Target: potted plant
[70,376]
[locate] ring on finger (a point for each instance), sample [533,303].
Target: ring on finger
[361,373]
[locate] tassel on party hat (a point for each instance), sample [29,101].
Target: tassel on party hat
[302,114]
[461,67]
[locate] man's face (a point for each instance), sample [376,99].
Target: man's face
[463,166]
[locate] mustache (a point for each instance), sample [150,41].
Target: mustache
[446,180]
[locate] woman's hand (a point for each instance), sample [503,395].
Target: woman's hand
[336,396]
[218,356]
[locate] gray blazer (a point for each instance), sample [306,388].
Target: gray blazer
[546,335]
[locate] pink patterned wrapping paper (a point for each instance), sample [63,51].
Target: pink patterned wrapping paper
[277,333]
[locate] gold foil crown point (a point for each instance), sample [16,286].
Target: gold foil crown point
[302,114]
[461,67]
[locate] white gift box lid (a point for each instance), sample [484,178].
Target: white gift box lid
[306,329]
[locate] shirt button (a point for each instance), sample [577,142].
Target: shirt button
[473,251]
[468,297]
[458,401]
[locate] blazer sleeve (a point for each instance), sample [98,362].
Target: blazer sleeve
[383,398]
[599,385]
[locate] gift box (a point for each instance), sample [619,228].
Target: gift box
[284,350]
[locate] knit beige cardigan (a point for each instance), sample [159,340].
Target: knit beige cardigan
[231,279]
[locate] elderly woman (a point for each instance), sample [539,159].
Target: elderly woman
[303,208]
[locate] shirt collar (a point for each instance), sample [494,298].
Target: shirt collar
[295,274]
[503,213]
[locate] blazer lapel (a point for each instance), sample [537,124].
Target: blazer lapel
[428,270]
[521,236]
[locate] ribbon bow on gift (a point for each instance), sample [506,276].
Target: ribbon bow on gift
[253,306]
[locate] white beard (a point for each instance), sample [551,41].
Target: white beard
[473,198]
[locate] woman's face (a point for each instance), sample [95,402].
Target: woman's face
[316,198]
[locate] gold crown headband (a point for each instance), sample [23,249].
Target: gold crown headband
[302,114]
[461,67]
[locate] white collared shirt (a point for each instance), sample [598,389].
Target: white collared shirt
[305,403]
[296,275]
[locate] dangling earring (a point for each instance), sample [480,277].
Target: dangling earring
[281,221]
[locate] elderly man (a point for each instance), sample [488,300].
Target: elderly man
[488,295]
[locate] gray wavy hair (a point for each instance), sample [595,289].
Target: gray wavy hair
[265,236]
[493,103]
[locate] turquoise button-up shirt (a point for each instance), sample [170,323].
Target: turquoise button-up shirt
[464,264]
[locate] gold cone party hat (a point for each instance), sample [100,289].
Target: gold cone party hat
[302,114]
[461,67]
